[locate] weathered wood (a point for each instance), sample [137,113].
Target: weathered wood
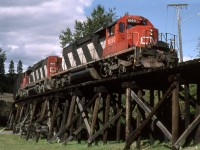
[175,114]
[64,116]
[128,110]
[83,115]
[106,118]
[33,111]
[42,114]
[151,137]
[21,126]
[37,137]
[67,126]
[71,137]
[154,118]
[70,114]
[55,107]
[94,116]
[197,133]
[104,127]
[135,133]
[185,134]
[21,112]
[118,121]
[187,105]
[139,118]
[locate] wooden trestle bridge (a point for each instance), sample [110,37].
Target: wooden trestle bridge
[149,104]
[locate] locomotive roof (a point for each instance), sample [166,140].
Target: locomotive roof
[103,27]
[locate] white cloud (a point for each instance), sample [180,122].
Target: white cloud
[29,30]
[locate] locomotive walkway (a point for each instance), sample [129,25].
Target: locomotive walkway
[150,103]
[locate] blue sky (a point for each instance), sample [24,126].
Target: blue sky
[162,17]
[30,29]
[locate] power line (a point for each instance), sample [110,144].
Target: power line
[178,7]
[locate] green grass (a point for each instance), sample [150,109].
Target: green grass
[14,142]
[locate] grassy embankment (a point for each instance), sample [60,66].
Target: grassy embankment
[14,142]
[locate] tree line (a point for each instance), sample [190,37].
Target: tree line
[7,80]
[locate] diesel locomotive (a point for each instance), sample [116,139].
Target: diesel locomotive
[126,45]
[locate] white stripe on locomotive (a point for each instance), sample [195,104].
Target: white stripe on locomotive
[81,56]
[41,73]
[102,42]
[64,66]
[45,71]
[33,75]
[93,51]
[71,59]
[37,74]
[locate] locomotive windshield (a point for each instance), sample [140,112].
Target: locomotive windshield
[133,22]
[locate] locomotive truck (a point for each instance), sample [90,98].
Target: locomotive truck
[126,45]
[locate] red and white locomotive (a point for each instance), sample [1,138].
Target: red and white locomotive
[129,43]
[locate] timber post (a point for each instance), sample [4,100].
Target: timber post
[197,133]
[151,137]
[175,113]
[118,135]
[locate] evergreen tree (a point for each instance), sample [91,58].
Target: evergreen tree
[66,37]
[11,67]
[19,67]
[2,61]
[98,18]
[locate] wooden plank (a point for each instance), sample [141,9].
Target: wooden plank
[55,108]
[151,137]
[139,117]
[71,137]
[104,127]
[83,115]
[128,111]
[21,113]
[175,114]
[42,114]
[185,134]
[197,133]
[118,121]
[106,118]
[67,126]
[64,116]
[137,132]
[21,126]
[94,116]
[71,110]
[33,111]
[154,118]
[70,113]
[187,105]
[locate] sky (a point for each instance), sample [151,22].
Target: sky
[30,29]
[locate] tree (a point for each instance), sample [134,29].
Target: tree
[98,18]
[11,67]
[19,67]
[2,61]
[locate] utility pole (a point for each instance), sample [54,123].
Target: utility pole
[178,7]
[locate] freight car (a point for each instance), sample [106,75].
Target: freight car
[128,44]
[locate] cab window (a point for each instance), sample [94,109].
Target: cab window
[111,31]
[121,27]
[129,25]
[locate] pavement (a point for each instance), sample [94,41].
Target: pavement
[3,131]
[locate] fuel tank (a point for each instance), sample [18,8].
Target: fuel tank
[84,75]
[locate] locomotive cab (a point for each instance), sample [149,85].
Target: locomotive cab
[129,31]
